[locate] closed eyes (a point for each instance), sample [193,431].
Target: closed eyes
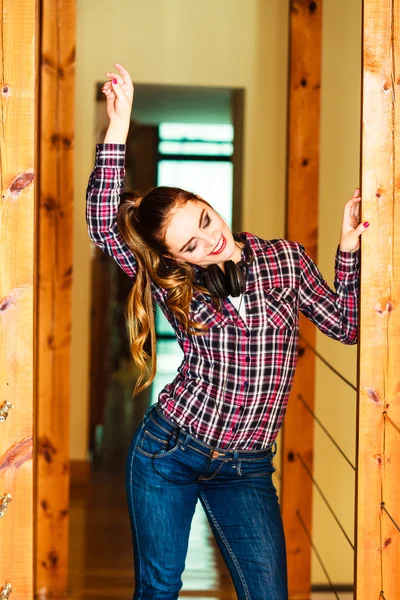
[206,224]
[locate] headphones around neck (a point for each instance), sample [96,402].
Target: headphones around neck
[233,281]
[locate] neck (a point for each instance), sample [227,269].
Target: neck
[236,256]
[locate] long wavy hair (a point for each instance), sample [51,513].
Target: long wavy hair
[142,224]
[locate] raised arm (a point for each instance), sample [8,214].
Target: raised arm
[106,182]
[335,313]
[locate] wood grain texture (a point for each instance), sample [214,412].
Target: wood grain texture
[57,74]
[302,226]
[18,33]
[378,540]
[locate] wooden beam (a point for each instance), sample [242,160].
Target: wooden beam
[18,51]
[378,462]
[54,294]
[302,225]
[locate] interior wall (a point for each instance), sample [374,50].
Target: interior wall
[339,177]
[235,43]
[228,43]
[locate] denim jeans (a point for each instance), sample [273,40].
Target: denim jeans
[167,471]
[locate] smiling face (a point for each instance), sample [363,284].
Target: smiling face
[198,235]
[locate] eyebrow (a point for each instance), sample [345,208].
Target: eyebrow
[187,243]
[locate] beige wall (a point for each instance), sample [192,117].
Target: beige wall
[235,43]
[232,43]
[335,401]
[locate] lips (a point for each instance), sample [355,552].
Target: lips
[220,246]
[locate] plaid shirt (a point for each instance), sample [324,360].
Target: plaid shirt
[245,366]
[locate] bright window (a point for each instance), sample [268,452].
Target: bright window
[182,163]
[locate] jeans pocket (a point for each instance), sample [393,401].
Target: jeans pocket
[156,446]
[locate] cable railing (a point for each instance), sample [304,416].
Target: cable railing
[384,510]
[324,498]
[317,554]
[324,429]
[331,367]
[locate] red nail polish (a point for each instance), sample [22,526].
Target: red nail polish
[114,81]
[366,224]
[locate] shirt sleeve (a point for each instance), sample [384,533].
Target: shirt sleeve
[104,190]
[335,313]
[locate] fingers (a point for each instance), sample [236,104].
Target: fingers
[352,206]
[355,210]
[356,197]
[116,76]
[108,91]
[353,200]
[122,77]
[125,75]
[361,228]
[112,90]
[117,89]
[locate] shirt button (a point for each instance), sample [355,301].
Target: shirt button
[248,359]
[247,333]
[245,384]
[241,409]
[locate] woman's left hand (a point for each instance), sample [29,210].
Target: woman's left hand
[351,229]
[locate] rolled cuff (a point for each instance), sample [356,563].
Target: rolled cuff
[347,263]
[110,155]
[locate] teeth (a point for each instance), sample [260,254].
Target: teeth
[217,248]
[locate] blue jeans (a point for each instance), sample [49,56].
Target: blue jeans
[167,471]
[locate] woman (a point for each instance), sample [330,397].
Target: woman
[233,301]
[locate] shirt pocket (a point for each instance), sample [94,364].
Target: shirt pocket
[281,307]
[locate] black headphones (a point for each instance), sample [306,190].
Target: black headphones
[233,281]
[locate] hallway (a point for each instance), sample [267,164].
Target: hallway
[100,558]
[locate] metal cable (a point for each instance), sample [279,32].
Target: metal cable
[310,410]
[386,416]
[307,470]
[316,553]
[389,515]
[328,364]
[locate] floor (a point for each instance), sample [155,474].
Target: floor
[101,565]
[101,562]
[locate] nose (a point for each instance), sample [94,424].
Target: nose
[211,240]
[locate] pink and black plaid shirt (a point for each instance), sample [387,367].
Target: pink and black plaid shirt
[254,360]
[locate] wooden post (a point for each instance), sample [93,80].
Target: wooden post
[378,461]
[54,294]
[18,158]
[302,225]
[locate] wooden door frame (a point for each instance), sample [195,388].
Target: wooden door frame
[305,41]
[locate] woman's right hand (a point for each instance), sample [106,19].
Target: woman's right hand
[119,98]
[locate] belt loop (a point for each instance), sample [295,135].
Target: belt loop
[235,456]
[239,468]
[185,442]
[274,449]
[146,414]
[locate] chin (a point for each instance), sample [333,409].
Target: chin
[227,254]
